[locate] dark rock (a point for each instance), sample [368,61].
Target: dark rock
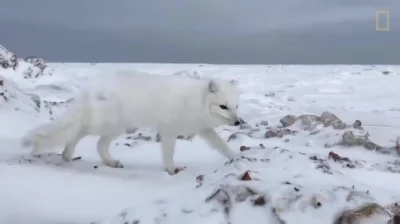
[287,120]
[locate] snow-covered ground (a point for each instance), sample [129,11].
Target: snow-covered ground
[297,177]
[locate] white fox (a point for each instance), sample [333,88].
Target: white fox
[170,105]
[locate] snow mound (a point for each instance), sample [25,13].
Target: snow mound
[7,59]
[16,87]
[12,98]
[30,68]
[38,68]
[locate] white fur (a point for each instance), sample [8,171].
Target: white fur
[170,105]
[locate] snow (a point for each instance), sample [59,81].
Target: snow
[293,174]
[7,59]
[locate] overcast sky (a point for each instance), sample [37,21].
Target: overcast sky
[202,31]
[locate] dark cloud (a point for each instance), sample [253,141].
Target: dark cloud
[207,31]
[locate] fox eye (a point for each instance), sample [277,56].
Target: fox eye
[223,107]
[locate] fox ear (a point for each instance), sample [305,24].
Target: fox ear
[212,86]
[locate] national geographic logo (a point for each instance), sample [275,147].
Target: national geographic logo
[382,20]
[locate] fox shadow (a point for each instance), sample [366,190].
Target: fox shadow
[80,165]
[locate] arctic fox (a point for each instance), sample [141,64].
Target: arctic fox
[170,105]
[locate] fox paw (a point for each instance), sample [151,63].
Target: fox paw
[114,164]
[66,157]
[174,170]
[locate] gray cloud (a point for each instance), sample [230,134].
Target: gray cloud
[207,31]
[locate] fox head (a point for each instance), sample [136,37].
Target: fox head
[222,101]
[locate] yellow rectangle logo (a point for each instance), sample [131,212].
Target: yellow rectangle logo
[386,16]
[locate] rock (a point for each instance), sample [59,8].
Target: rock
[36,61]
[366,212]
[395,219]
[36,99]
[270,94]
[278,133]
[307,119]
[233,136]
[38,68]
[245,176]
[398,145]
[146,138]
[243,148]
[287,120]
[312,129]
[385,72]
[243,192]
[131,130]
[337,158]
[369,145]
[327,118]
[252,130]
[394,208]
[291,99]
[221,196]
[270,134]
[234,82]
[259,201]
[264,123]
[349,139]
[357,124]
[200,178]
[338,125]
